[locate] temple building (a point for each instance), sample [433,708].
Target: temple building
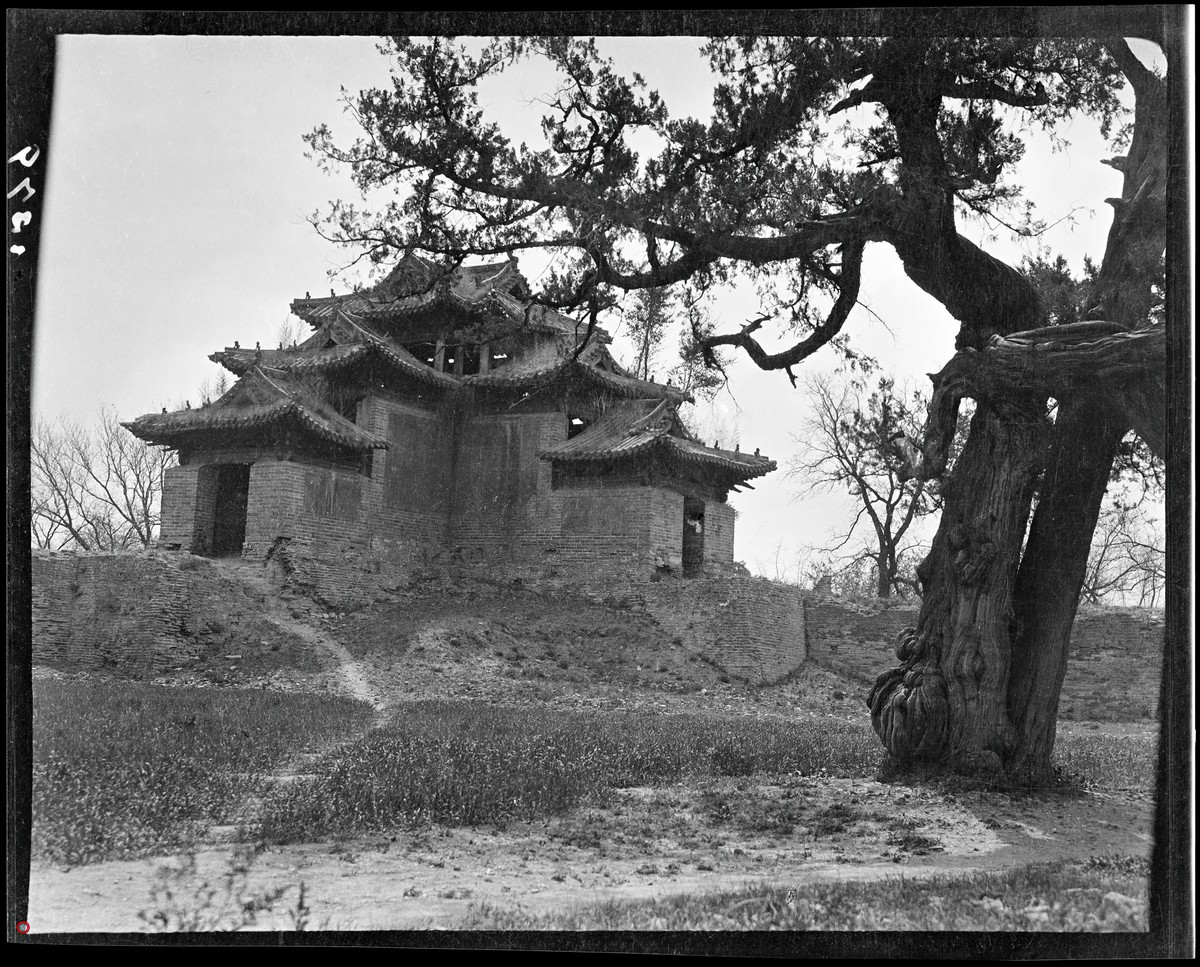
[447,415]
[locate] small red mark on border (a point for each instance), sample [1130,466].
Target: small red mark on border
[22,926]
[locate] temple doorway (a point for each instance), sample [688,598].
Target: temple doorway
[693,537]
[229,509]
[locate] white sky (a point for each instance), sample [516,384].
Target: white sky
[175,210]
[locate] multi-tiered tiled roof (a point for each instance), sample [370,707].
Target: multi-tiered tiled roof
[275,387]
[593,365]
[341,342]
[416,286]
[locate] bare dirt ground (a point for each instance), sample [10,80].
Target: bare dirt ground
[514,647]
[648,843]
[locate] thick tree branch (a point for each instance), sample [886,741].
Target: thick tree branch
[850,277]
[1141,78]
[988,91]
[1056,361]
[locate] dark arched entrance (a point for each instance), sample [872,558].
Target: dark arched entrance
[229,509]
[693,537]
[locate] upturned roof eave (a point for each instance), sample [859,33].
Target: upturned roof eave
[300,361]
[734,464]
[178,436]
[255,402]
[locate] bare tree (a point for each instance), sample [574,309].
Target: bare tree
[1128,559]
[857,575]
[214,390]
[662,310]
[58,518]
[693,373]
[850,444]
[289,332]
[96,488]
[648,324]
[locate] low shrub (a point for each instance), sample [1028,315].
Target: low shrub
[182,902]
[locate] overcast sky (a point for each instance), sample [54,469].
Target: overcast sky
[175,223]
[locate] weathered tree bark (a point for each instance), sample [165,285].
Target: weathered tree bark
[1095,369]
[1104,387]
[1086,435]
[980,676]
[1060,362]
[946,701]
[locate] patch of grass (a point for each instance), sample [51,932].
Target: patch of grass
[126,770]
[1055,897]
[753,815]
[1114,863]
[835,819]
[914,842]
[1108,761]
[467,763]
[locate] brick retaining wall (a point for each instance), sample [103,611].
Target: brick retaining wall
[96,610]
[138,609]
[751,627]
[1113,669]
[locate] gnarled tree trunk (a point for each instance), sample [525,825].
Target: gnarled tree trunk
[1003,646]
[946,702]
[980,676]
[1052,571]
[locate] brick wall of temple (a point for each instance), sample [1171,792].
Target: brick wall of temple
[718,532]
[325,527]
[178,510]
[476,493]
[314,528]
[609,534]
[501,490]
[187,507]
[510,520]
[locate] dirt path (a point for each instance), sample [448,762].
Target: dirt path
[295,616]
[645,843]
[348,674]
